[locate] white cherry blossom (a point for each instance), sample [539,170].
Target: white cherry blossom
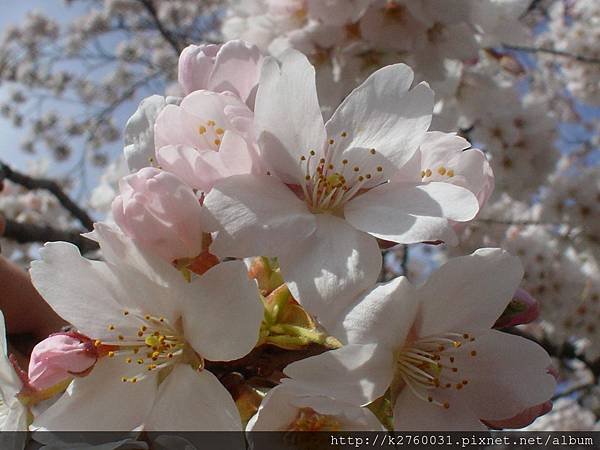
[332,188]
[433,346]
[156,331]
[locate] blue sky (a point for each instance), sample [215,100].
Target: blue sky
[10,138]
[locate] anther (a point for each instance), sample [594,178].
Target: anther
[379,169]
[201,129]
[344,134]
[473,353]
[220,131]
[441,170]
[450,173]
[211,123]
[446,405]
[217,142]
[428,173]
[331,141]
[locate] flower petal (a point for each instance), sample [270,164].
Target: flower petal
[384,315]
[356,374]
[236,69]
[508,374]
[103,389]
[189,400]
[139,133]
[414,414]
[256,216]
[409,213]
[383,114]
[287,114]
[222,312]
[331,267]
[469,293]
[82,292]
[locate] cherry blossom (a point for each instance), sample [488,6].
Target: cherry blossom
[156,331]
[233,67]
[291,407]
[446,369]
[160,213]
[335,187]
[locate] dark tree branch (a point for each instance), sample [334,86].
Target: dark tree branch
[552,51]
[51,186]
[173,42]
[25,233]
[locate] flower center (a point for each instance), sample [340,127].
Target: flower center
[428,366]
[211,135]
[330,182]
[308,419]
[157,344]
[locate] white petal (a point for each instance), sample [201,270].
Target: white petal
[384,315]
[96,402]
[356,374]
[120,250]
[82,292]
[414,414]
[276,410]
[287,114]
[222,312]
[143,281]
[139,133]
[469,292]
[281,405]
[256,216]
[330,268]
[408,213]
[383,114]
[189,400]
[508,375]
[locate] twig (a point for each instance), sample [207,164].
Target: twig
[25,233]
[552,51]
[51,186]
[573,390]
[404,262]
[174,43]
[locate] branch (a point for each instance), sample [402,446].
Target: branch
[174,43]
[51,186]
[25,233]
[552,51]
[573,390]
[516,222]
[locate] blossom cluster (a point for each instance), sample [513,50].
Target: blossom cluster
[238,283]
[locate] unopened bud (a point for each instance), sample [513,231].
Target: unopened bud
[59,357]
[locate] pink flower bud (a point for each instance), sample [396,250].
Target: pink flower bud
[231,67]
[59,357]
[523,308]
[160,213]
